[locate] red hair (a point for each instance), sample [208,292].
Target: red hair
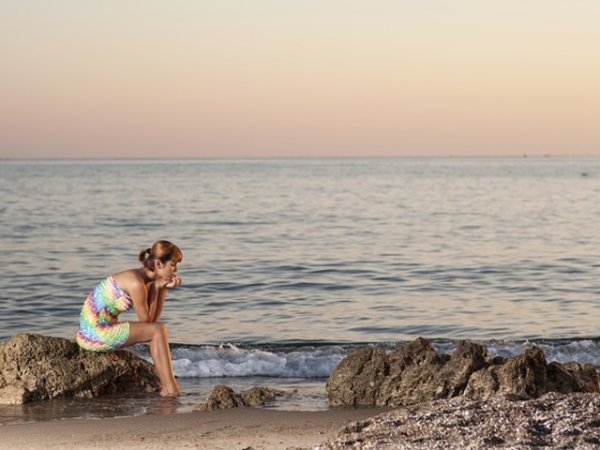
[164,251]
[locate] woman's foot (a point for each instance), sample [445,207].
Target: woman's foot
[164,393]
[170,392]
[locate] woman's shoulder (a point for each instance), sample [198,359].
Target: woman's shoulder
[129,280]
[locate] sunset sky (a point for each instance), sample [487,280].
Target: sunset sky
[263,78]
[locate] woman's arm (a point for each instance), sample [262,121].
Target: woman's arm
[139,296]
[161,297]
[156,301]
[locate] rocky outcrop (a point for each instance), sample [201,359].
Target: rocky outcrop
[357,379]
[35,367]
[223,397]
[415,373]
[551,421]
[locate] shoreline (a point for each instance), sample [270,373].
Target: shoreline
[238,428]
[502,421]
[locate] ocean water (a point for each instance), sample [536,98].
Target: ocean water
[290,264]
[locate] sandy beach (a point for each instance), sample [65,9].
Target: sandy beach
[241,428]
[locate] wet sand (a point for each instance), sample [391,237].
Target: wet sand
[233,429]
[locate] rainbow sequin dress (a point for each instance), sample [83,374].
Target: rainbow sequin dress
[99,328]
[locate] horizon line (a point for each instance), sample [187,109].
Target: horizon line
[189,158]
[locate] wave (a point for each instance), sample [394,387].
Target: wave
[318,360]
[232,361]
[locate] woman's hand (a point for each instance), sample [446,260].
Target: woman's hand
[164,283]
[175,282]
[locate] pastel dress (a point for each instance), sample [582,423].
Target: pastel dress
[99,328]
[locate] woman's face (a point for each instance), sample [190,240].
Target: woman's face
[166,271]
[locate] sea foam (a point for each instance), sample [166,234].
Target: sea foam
[232,361]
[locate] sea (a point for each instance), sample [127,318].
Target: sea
[291,264]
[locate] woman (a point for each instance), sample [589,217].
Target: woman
[144,289]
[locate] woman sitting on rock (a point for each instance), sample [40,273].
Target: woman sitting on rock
[144,289]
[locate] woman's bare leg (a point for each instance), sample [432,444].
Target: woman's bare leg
[156,334]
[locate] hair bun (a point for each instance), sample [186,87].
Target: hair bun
[145,255]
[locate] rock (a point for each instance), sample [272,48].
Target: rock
[410,374]
[415,373]
[523,377]
[35,367]
[260,396]
[528,376]
[223,397]
[418,373]
[357,379]
[573,377]
[551,421]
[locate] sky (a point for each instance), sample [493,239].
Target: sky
[310,78]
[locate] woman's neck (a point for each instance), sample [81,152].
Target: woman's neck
[146,275]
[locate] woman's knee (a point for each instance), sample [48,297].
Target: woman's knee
[146,331]
[160,330]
